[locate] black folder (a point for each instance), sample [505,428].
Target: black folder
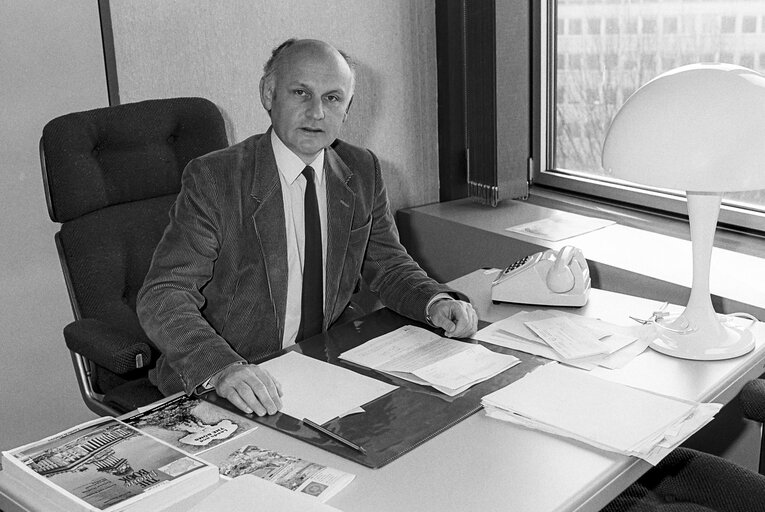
[398,421]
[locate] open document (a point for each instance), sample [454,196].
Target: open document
[569,402]
[569,338]
[423,357]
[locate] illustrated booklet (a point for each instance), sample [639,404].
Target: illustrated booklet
[107,465]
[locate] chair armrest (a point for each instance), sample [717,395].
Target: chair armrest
[107,346]
[752,398]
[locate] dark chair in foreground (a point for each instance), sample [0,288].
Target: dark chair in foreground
[752,398]
[110,177]
[691,481]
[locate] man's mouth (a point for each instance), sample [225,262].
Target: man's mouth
[311,130]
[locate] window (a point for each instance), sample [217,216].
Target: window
[749,24]
[728,24]
[593,26]
[612,26]
[641,39]
[669,25]
[649,26]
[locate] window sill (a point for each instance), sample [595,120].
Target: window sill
[643,254]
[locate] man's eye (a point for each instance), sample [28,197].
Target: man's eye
[300,92]
[333,99]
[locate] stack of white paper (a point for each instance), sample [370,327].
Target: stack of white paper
[611,416]
[423,357]
[572,339]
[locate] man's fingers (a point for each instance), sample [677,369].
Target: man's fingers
[258,401]
[271,389]
[463,320]
[250,388]
[232,396]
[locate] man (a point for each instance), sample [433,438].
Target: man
[252,227]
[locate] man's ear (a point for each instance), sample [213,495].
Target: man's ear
[348,109]
[267,92]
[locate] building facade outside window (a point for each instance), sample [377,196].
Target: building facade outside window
[623,44]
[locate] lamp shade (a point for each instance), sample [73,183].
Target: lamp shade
[699,127]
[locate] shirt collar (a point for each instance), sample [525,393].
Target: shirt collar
[290,165]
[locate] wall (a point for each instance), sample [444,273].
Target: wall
[52,64]
[217,50]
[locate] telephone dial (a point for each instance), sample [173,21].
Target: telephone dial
[549,278]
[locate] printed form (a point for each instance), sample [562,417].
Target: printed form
[423,357]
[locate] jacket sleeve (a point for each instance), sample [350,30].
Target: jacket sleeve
[169,303]
[388,269]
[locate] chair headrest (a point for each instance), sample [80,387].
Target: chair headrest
[124,153]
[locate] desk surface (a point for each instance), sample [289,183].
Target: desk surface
[484,464]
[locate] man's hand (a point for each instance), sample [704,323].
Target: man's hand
[457,318]
[249,387]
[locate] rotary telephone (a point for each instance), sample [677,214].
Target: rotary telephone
[549,278]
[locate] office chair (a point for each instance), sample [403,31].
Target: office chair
[110,177]
[752,399]
[690,481]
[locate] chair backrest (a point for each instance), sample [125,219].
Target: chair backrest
[111,175]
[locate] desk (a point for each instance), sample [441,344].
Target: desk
[484,464]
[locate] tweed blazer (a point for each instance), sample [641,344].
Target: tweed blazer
[216,291]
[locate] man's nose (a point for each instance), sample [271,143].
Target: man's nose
[316,109]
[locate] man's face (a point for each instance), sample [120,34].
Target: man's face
[308,96]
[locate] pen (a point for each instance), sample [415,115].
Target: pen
[334,436]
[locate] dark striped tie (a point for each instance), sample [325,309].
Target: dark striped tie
[312,305]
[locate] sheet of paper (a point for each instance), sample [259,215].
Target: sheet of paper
[399,350]
[560,226]
[623,343]
[566,338]
[475,364]
[248,493]
[418,355]
[619,358]
[321,391]
[530,347]
[590,408]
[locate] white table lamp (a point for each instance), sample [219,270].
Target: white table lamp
[698,128]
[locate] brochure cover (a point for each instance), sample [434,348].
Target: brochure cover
[190,423]
[107,465]
[292,473]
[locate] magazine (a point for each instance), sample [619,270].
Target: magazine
[107,465]
[293,473]
[190,423]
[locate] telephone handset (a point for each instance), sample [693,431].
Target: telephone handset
[550,278]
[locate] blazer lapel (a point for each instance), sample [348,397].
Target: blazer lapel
[268,221]
[340,205]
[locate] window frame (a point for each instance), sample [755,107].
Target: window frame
[732,216]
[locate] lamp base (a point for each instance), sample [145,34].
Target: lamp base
[720,342]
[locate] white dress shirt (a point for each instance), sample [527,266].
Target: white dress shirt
[293,191]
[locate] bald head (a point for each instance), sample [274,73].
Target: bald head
[281,54]
[307,88]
